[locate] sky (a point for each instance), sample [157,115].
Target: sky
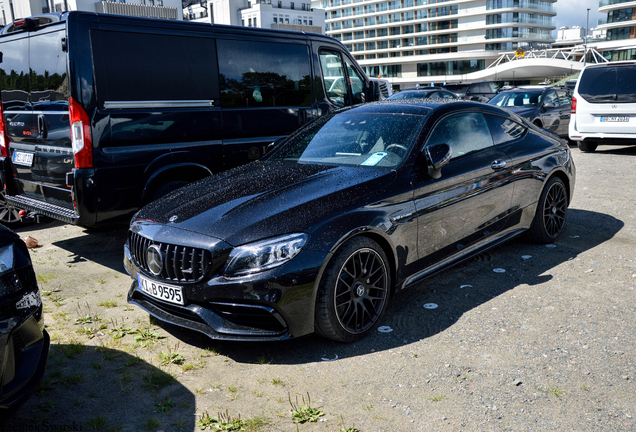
[572,13]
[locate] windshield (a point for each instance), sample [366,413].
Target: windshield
[377,140]
[456,87]
[517,99]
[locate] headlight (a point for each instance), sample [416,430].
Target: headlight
[263,255]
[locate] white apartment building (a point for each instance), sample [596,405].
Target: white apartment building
[620,25]
[14,9]
[278,14]
[435,41]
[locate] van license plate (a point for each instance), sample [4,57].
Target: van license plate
[22,158]
[615,119]
[168,293]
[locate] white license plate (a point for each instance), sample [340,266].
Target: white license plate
[615,119]
[22,158]
[168,293]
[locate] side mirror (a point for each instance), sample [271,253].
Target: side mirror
[438,156]
[374,93]
[547,105]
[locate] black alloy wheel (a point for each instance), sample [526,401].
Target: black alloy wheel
[354,291]
[9,215]
[552,210]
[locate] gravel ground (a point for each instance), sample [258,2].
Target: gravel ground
[547,344]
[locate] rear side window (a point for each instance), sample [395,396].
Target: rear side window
[152,67]
[609,84]
[263,74]
[504,130]
[14,74]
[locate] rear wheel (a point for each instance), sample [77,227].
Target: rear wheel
[353,292]
[587,146]
[9,215]
[552,210]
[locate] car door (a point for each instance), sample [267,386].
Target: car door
[565,106]
[550,112]
[463,207]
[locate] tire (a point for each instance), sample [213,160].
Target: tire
[354,291]
[165,189]
[552,210]
[9,215]
[587,146]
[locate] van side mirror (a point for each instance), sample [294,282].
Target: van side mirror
[374,90]
[437,156]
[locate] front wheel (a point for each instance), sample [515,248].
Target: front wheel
[552,210]
[353,292]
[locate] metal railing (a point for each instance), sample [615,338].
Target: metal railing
[137,10]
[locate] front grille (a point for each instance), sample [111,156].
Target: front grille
[180,263]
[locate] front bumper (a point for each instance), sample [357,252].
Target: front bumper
[273,305]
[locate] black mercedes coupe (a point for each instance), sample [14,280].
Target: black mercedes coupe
[320,233]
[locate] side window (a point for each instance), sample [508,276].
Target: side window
[133,66]
[357,84]
[551,97]
[485,88]
[446,95]
[564,98]
[334,77]
[464,133]
[504,130]
[263,74]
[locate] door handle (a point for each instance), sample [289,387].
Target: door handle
[42,126]
[496,165]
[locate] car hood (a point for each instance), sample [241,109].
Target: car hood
[265,199]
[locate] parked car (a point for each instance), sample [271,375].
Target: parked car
[478,91]
[318,234]
[120,110]
[24,343]
[604,106]
[546,107]
[424,93]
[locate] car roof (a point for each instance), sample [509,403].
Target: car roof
[424,107]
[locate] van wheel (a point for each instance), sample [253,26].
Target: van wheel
[552,210]
[9,215]
[165,189]
[354,291]
[587,146]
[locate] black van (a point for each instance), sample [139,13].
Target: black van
[104,113]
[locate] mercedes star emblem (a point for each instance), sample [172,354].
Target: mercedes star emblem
[155,259]
[173,218]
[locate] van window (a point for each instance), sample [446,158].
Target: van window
[263,74]
[334,77]
[14,75]
[608,84]
[357,84]
[152,67]
[48,72]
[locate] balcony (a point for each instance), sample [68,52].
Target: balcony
[137,10]
[516,4]
[604,3]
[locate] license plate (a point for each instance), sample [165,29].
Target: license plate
[168,293]
[615,119]
[22,158]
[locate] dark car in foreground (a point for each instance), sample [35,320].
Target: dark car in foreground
[319,234]
[546,107]
[24,344]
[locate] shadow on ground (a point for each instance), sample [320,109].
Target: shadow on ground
[97,388]
[407,317]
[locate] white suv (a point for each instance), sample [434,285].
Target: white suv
[604,106]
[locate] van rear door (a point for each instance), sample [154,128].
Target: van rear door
[35,105]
